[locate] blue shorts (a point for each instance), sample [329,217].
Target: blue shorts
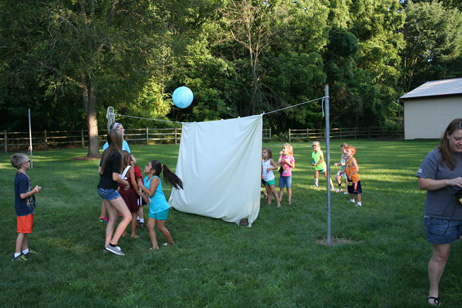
[285,181]
[270,182]
[442,231]
[159,216]
[108,194]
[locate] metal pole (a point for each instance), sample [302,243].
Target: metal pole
[328,162]
[30,141]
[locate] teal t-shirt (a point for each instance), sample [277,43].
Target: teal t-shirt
[158,201]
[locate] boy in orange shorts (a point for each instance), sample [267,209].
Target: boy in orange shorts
[24,204]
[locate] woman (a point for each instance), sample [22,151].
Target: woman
[111,166]
[440,175]
[125,147]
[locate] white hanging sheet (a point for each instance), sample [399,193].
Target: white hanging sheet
[220,165]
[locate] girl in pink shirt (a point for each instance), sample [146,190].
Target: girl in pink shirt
[287,162]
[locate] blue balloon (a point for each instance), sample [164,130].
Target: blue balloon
[182,97]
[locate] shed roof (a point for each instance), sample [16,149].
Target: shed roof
[436,88]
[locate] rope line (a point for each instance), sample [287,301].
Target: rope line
[122,115]
[111,115]
[316,99]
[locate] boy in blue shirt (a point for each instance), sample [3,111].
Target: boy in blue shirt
[24,204]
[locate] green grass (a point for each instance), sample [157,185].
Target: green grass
[378,256]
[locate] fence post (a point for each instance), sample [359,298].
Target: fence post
[176,138]
[5,141]
[290,136]
[46,141]
[82,139]
[270,133]
[147,136]
[340,133]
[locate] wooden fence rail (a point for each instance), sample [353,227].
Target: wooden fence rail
[19,141]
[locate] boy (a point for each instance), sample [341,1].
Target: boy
[319,164]
[24,204]
[351,170]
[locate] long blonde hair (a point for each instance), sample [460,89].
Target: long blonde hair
[290,149]
[114,139]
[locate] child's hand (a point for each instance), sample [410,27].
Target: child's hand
[336,164]
[280,153]
[37,189]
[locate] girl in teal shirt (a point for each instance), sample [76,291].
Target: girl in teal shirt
[158,207]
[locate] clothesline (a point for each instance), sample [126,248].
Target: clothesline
[264,113]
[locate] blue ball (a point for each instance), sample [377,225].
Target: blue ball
[182,97]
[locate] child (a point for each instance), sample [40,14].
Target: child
[130,193]
[287,162]
[319,164]
[351,170]
[142,198]
[24,203]
[341,174]
[268,165]
[111,165]
[158,207]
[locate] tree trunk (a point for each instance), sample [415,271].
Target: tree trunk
[89,100]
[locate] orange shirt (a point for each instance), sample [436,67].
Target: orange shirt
[349,169]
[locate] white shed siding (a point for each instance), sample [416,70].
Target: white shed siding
[427,118]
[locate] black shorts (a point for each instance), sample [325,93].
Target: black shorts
[354,188]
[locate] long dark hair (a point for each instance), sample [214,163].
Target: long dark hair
[114,139]
[447,157]
[169,176]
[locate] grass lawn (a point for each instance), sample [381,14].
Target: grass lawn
[378,256]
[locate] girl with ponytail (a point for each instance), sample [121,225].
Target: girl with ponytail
[158,207]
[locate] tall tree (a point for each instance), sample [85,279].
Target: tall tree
[434,41]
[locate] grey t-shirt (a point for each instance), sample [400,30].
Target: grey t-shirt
[441,203]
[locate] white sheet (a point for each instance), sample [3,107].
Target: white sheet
[220,165]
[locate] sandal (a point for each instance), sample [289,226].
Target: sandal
[433,301]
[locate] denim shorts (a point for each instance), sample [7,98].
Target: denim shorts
[442,231]
[108,194]
[285,181]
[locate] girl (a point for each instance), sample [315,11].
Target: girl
[142,198]
[130,194]
[319,164]
[341,174]
[158,207]
[287,162]
[111,165]
[268,165]
[125,147]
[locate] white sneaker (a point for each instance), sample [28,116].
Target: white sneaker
[358,204]
[345,193]
[115,250]
[351,201]
[339,190]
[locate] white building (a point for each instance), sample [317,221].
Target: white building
[429,108]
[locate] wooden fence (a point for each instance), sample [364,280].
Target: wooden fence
[344,133]
[19,141]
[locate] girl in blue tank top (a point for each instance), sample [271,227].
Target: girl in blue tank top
[158,207]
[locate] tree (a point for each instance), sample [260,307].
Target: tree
[87,47]
[434,42]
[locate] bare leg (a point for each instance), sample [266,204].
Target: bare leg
[21,242]
[165,232]
[436,267]
[268,193]
[152,232]
[134,225]
[281,193]
[289,193]
[273,191]
[103,209]
[114,206]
